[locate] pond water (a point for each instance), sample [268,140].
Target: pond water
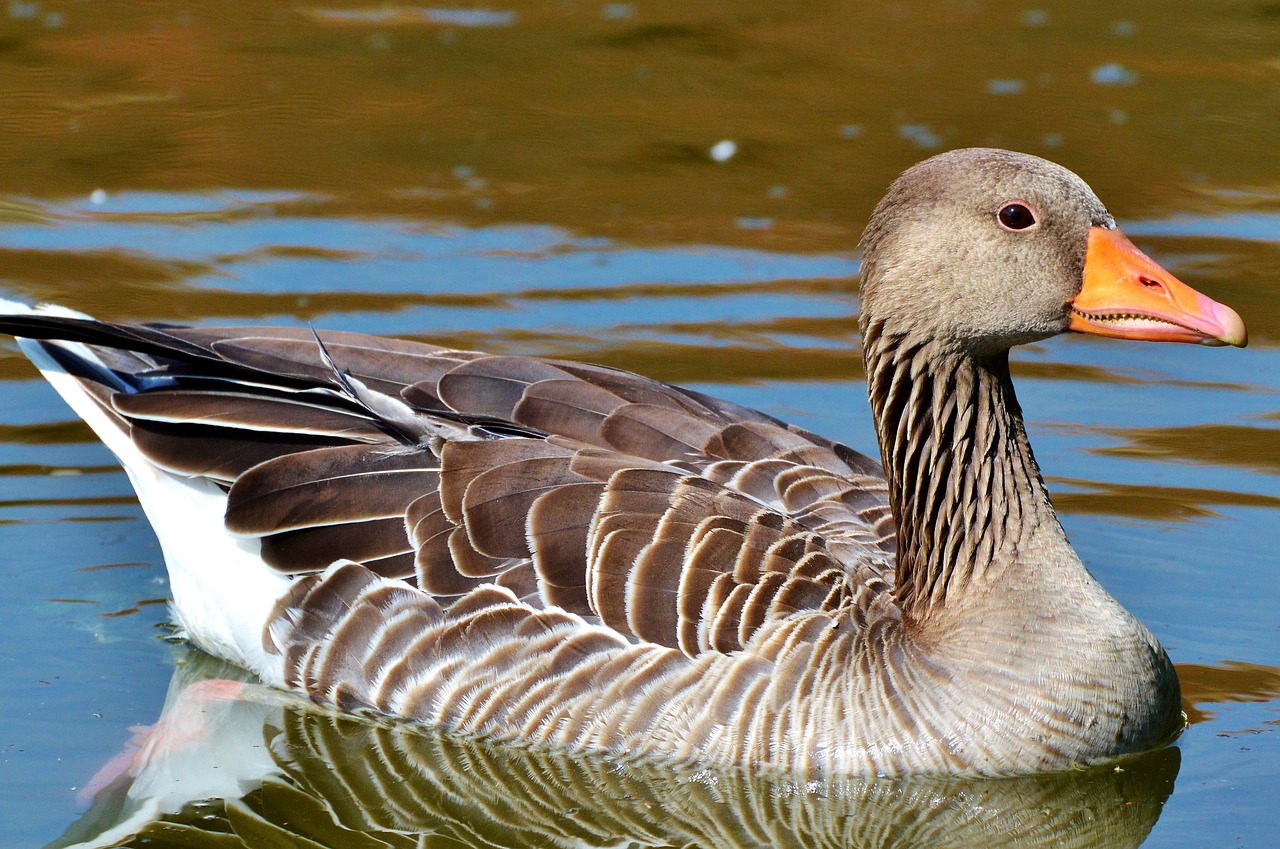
[667,187]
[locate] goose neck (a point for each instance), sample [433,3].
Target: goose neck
[966,494]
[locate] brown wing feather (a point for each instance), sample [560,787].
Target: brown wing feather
[350,483]
[672,517]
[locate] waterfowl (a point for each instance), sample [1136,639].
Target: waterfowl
[587,560]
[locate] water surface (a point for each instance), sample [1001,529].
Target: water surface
[551,178]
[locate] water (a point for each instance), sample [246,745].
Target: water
[540,178]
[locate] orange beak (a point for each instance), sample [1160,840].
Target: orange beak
[1127,295]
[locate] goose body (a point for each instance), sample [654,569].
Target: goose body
[588,560]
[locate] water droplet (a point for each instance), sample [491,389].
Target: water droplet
[723,151]
[1113,73]
[1005,86]
[471,17]
[922,134]
[23,11]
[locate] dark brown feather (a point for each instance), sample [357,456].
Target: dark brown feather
[246,411]
[464,460]
[657,433]
[559,525]
[312,549]
[219,453]
[383,364]
[330,486]
[567,407]
[497,502]
[492,386]
[676,518]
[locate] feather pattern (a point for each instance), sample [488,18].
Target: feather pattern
[587,559]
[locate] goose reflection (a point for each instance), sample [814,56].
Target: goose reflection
[232,764]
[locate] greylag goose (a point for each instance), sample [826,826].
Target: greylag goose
[583,559]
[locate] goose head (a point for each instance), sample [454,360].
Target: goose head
[979,250]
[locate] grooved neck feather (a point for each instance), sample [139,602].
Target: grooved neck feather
[965,490]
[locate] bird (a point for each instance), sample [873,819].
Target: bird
[580,559]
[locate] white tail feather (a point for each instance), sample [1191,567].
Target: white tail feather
[223,593]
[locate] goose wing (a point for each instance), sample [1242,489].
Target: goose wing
[669,516]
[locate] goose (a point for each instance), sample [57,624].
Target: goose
[580,559]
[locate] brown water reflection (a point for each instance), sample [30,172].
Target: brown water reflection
[600,116]
[1152,502]
[1231,681]
[1236,445]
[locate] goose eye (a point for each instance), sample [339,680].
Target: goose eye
[1016,215]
